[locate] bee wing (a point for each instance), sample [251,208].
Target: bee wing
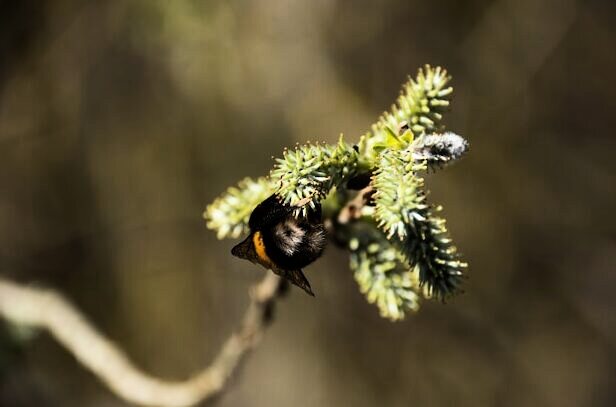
[297,278]
[246,250]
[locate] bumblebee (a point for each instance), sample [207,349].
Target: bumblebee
[283,243]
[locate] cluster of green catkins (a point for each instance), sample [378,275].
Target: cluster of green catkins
[399,246]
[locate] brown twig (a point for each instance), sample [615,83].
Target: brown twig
[352,210]
[47,309]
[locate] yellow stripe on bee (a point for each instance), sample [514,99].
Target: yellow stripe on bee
[257,241]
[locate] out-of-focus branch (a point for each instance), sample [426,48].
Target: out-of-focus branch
[47,309]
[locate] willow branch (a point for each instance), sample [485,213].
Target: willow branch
[352,209]
[47,309]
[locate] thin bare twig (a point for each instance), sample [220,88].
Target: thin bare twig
[47,309]
[352,210]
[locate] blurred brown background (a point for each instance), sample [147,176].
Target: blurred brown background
[121,120]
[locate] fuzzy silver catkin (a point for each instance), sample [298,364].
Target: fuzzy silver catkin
[439,148]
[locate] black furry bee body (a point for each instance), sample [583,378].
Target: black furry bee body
[282,242]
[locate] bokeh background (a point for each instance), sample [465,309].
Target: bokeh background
[120,120]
